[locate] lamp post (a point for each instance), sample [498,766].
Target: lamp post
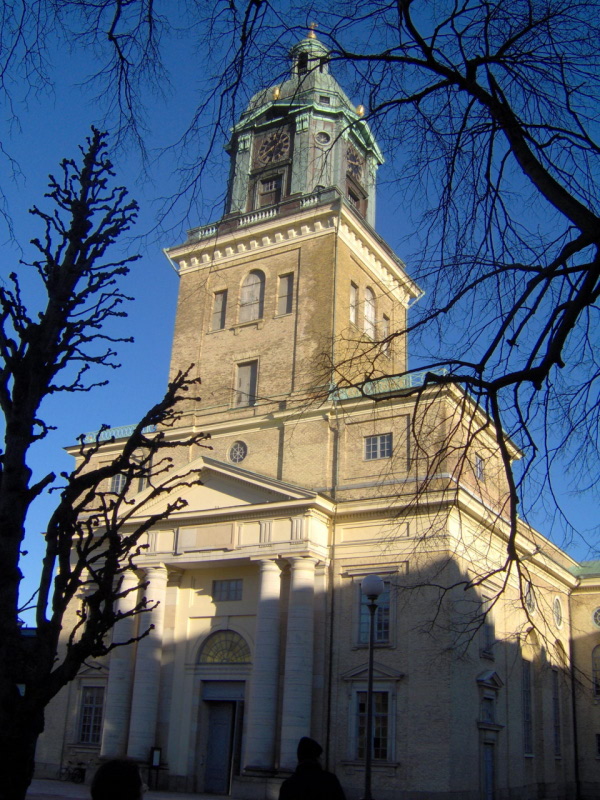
[371,587]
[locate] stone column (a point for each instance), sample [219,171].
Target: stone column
[261,719]
[297,687]
[144,704]
[115,728]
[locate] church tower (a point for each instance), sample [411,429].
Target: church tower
[292,282]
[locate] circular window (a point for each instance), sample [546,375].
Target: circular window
[557,612]
[238,452]
[596,617]
[322,137]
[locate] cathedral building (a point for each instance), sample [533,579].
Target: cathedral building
[486,685]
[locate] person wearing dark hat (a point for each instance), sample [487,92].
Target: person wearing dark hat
[310,781]
[118,779]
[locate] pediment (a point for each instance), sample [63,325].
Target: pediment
[99,671]
[491,679]
[206,484]
[380,672]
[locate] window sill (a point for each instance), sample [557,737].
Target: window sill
[86,747]
[252,323]
[376,765]
[489,726]
[487,654]
[376,645]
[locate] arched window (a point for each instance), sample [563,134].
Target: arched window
[596,671]
[252,296]
[370,312]
[224,647]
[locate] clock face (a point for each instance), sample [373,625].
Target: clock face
[354,162]
[275,147]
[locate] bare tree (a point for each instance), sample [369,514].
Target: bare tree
[93,535]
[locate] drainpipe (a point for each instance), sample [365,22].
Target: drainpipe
[574,708]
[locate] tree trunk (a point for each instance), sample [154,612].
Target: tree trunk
[19,733]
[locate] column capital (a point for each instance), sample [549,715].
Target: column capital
[308,562]
[269,565]
[156,571]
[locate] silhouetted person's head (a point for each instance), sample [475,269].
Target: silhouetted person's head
[308,749]
[117,780]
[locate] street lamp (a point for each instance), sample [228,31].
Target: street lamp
[371,587]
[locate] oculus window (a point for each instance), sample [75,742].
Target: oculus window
[379,446]
[238,452]
[557,612]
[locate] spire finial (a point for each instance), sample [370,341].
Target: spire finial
[311,30]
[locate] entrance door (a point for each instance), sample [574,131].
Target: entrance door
[221,721]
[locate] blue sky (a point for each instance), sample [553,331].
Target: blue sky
[51,126]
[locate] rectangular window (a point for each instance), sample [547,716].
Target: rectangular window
[219,310]
[144,471]
[488,709]
[354,199]
[227,590]
[90,723]
[488,633]
[479,468]
[381,725]
[381,632]
[379,446]
[246,382]
[269,191]
[325,100]
[556,712]
[598,745]
[527,708]
[385,332]
[353,303]
[285,297]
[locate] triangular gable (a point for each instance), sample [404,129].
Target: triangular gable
[216,485]
[380,672]
[101,671]
[490,679]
